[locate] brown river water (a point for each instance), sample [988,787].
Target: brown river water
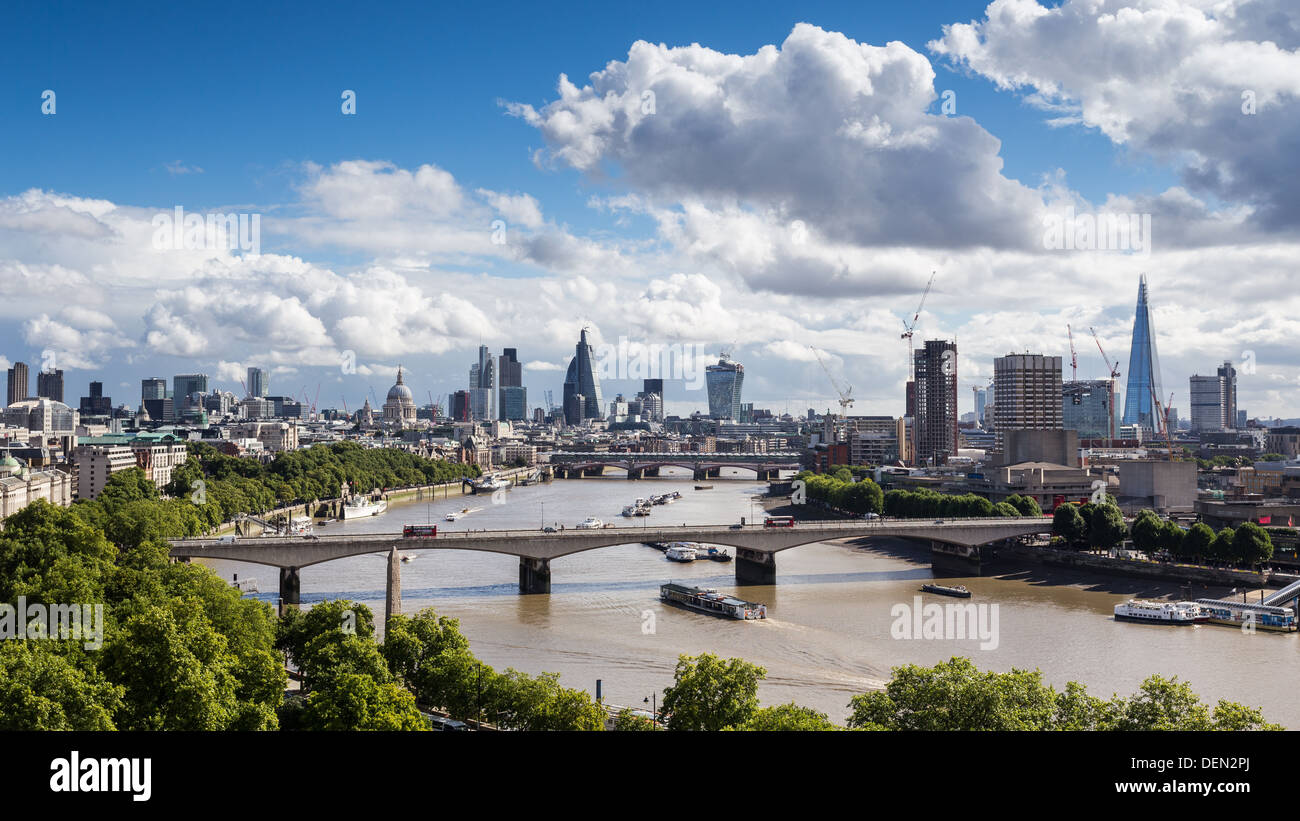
[828,633]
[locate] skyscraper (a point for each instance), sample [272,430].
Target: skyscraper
[935,390]
[97,404]
[49,385]
[1143,368]
[1026,394]
[258,383]
[581,385]
[724,382]
[1210,402]
[512,396]
[483,386]
[1085,408]
[18,383]
[1229,376]
[184,386]
[153,388]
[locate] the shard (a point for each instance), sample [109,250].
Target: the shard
[1143,368]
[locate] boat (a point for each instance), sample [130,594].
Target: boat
[1241,614]
[704,487]
[957,591]
[410,557]
[451,517]
[1158,612]
[489,484]
[590,523]
[629,511]
[657,545]
[717,554]
[709,600]
[359,506]
[681,552]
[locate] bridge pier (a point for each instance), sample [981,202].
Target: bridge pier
[755,567]
[393,591]
[534,575]
[654,471]
[635,473]
[290,588]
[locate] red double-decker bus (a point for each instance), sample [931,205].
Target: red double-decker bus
[419,531]
[778,521]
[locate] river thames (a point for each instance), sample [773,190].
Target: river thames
[828,632]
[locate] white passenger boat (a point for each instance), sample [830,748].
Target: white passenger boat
[358,507]
[1159,612]
[682,552]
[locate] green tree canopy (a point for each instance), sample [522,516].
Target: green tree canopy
[709,693]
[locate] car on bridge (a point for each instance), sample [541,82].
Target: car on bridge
[550,529]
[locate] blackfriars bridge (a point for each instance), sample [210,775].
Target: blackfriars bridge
[756,546]
[567,464]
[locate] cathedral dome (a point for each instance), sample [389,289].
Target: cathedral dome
[399,393]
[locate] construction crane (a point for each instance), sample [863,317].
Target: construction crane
[1160,414]
[845,392]
[910,327]
[1114,374]
[314,401]
[1074,358]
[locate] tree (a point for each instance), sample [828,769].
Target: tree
[787,718]
[1146,531]
[1197,542]
[1068,523]
[41,690]
[1251,544]
[954,695]
[1005,509]
[627,720]
[1026,505]
[1221,549]
[1106,529]
[710,694]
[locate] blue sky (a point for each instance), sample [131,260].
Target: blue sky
[251,96]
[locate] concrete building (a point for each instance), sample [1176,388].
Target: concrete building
[274,436]
[1026,395]
[1283,440]
[1059,447]
[18,383]
[1162,486]
[875,440]
[1047,483]
[934,394]
[44,417]
[95,464]
[49,384]
[97,404]
[153,388]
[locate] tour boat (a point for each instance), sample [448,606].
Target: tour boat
[590,523]
[681,552]
[1159,612]
[957,591]
[709,600]
[358,506]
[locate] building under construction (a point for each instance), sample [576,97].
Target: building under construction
[934,429]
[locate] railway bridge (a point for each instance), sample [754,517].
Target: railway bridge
[756,546]
[577,464]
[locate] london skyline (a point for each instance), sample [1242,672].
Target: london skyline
[385,244]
